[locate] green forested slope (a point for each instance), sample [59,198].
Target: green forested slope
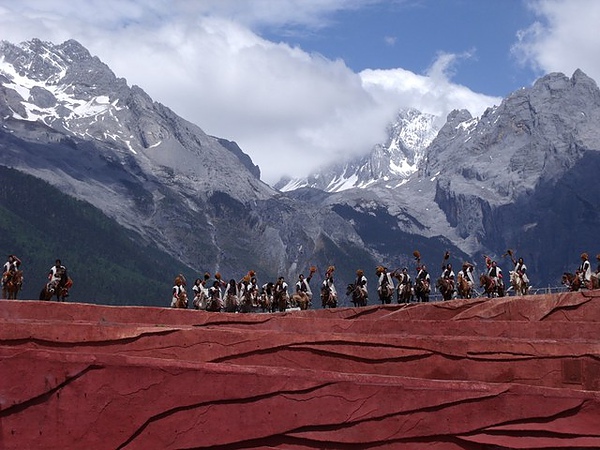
[108,263]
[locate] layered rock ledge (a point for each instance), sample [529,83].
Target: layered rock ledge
[464,374]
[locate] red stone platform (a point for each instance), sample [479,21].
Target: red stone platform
[464,374]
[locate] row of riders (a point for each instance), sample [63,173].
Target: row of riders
[246,295]
[462,285]
[58,284]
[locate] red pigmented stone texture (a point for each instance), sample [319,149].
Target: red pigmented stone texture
[518,372]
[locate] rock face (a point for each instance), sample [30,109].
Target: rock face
[66,118]
[508,373]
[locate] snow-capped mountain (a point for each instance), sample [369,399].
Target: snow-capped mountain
[67,119]
[521,176]
[396,159]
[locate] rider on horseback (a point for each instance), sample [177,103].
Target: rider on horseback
[302,286]
[422,273]
[200,292]
[58,278]
[361,283]
[215,303]
[467,273]
[403,278]
[448,274]
[179,297]
[253,291]
[10,268]
[404,290]
[328,291]
[495,273]
[585,270]
[520,270]
[385,284]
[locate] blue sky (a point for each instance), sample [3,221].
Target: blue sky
[410,34]
[303,83]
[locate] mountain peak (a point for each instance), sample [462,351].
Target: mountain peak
[409,134]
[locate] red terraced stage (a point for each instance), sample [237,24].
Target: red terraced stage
[515,372]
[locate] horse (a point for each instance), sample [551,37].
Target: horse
[231,303]
[213,302]
[12,282]
[200,300]
[490,287]
[247,301]
[595,281]
[59,289]
[301,299]
[464,288]
[358,295]
[516,281]
[181,300]
[328,298]
[446,287]
[385,292]
[404,293]
[422,290]
[571,281]
[280,300]
[265,301]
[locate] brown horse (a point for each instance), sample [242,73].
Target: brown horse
[571,281]
[59,289]
[231,303]
[301,300]
[422,290]
[490,287]
[265,301]
[358,295]
[595,281]
[280,300]
[446,287]
[328,298]
[248,300]
[385,292]
[404,292]
[213,303]
[181,300]
[12,282]
[464,288]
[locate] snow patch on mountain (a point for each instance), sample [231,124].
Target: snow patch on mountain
[394,160]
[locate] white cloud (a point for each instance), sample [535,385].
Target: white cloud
[565,37]
[291,111]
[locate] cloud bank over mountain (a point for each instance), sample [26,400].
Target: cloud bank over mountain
[291,109]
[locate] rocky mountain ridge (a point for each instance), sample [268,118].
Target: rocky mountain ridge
[509,179]
[66,118]
[518,177]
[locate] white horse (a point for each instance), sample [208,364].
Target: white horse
[516,281]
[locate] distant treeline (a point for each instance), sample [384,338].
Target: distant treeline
[108,263]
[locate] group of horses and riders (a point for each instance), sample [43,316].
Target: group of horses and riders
[449,284]
[583,278]
[58,284]
[246,295]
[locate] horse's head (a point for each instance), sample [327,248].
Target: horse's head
[350,289]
